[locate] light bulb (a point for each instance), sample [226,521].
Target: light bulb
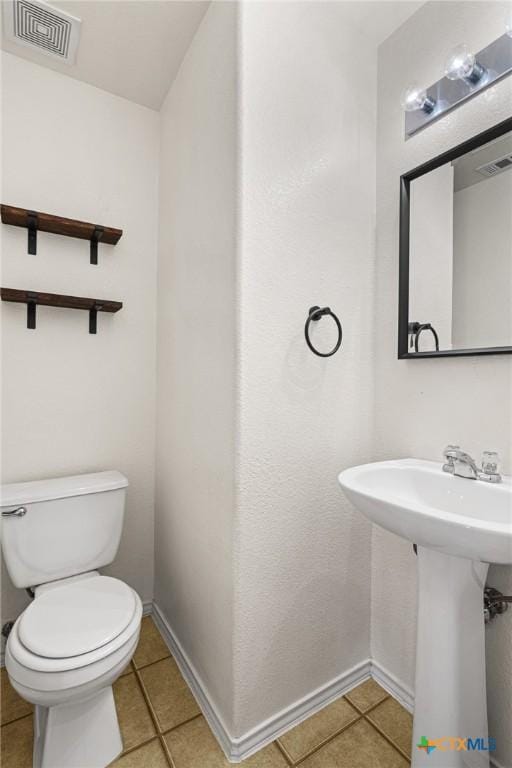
[462,65]
[414,97]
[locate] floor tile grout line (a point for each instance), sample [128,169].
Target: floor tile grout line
[326,741]
[357,712]
[389,740]
[148,703]
[364,712]
[154,718]
[147,698]
[157,737]
[167,751]
[360,716]
[160,732]
[185,722]
[150,663]
[138,746]
[17,719]
[284,753]
[352,706]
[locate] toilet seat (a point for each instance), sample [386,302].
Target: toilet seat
[77,617]
[76,622]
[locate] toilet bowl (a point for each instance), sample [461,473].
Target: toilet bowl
[63,655]
[77,636]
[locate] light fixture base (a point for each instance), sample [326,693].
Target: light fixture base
[477,74]
[429,105]
[493,63]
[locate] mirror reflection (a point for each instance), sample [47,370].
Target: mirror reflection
[460,257]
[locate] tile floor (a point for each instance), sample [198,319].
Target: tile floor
[162,726]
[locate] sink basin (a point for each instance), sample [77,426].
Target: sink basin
[417,500]
[460,526]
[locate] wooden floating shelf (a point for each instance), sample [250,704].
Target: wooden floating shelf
[59,300]
[33,298]
[58,225]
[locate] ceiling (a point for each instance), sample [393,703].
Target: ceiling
[378,19]
[134,48]
[465,167]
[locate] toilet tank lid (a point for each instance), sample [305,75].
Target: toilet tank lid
[13,494]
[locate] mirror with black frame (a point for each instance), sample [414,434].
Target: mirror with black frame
[456,251]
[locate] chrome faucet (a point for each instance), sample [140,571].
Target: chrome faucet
[461,464]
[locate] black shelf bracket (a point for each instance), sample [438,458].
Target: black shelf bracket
[93,317]
[31,309]
[32,232]
[95,238]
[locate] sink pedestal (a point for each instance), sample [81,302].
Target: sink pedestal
[457,524]
[450,660]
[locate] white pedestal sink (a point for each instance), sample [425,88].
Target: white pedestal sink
[459,526]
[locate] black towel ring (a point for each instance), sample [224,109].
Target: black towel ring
[415,331]
[315,313]
[426,327]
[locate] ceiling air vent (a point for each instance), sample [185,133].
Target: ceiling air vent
[497,166]
[38,25]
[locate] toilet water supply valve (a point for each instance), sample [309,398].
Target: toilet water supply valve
[6,629]
[494,603]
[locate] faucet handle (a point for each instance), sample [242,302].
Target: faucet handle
[491,463]
[450,454]
[450,450]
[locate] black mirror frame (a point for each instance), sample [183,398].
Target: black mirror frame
[403,287]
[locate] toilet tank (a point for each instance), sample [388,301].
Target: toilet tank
[71,525]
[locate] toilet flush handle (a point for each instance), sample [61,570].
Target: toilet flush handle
[15,512]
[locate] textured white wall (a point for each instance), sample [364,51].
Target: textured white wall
[307,237]
[431,255]
[73,402]
[196,354]
[421,405]
[482,263]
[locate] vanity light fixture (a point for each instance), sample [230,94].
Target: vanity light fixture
[414,97]
[463,65]
[467,73]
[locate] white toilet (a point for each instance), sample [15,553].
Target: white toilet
[79,633]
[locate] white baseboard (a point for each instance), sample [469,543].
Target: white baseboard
[300,710]
[239,748]
[398,690]
[194,682]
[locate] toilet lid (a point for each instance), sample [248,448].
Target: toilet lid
[77,618]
